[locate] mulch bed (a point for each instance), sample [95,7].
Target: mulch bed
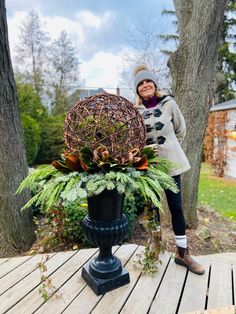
[222,234]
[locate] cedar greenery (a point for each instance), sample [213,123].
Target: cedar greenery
[63,185]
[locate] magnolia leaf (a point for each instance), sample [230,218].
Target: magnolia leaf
[142,164]
[59,165]
[86,155]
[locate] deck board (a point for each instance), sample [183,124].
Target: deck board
[18,273]
[195,290]
[171,288]
[9,265]
[222,310]
[31,281]
[234,282]
[142,296]
[32,301]
[115,300]
[3,260]
[220,289]
[168,294]
[69,290]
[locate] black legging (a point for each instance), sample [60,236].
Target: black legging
[174,201]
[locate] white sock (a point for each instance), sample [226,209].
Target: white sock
[181,241]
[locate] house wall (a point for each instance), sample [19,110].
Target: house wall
[230,156]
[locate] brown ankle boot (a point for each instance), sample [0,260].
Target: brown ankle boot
[183,258]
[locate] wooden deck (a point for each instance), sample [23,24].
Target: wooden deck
[171,290]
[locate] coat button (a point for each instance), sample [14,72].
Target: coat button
[161,140]
[148,127]
[159,125]
[157,113]
[150,141]
[146,114]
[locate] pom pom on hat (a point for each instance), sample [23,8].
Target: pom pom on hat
[141,73]
[139,68]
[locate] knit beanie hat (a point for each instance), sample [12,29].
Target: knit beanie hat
[141,73]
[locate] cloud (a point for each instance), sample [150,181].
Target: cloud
[56,24]
[22,5]
[89,19]
[99,31]
[102,70]
[89,32]
[14,28]
[53,25]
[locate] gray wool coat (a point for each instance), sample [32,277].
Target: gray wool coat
[166,126]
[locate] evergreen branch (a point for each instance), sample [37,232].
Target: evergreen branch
[54,187]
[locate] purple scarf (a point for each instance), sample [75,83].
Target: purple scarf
[151,102]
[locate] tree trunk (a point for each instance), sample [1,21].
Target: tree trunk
[193,67]
[16,227]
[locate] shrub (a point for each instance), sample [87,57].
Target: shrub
[74,214]
[32,137]
[52,139]
[29,102]
[130,211]
[134,205]
[62,227]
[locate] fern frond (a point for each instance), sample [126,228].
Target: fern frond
[54,195]
[72,184]
[142,189]
[35,177]
[155,186]
[150,193]
[32,201]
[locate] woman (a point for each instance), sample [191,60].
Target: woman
[166,129]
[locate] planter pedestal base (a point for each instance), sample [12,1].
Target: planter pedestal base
[104,226]
[101,286]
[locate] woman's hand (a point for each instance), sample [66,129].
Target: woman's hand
[154,147]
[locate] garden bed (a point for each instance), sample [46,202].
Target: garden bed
[221,235]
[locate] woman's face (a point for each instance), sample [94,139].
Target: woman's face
[146,89]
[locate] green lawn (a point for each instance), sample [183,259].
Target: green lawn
[219,193]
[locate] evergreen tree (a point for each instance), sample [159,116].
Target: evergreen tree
[173,38]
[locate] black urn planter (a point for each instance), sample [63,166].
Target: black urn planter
[104,226]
